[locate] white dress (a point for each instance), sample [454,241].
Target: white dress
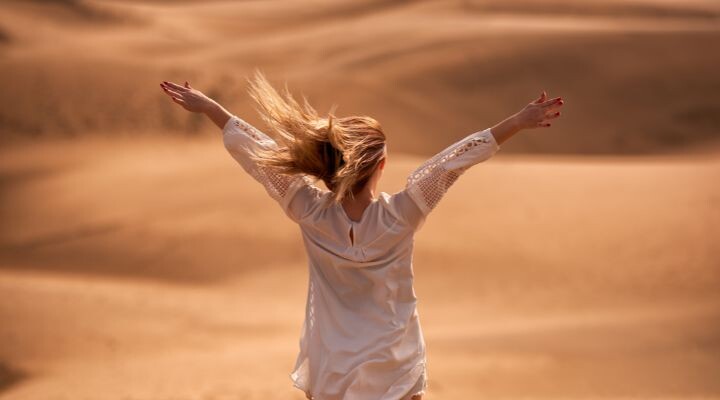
[361,338]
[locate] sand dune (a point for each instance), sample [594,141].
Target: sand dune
[140,201]
[136,259]
[142,265]
[429,70]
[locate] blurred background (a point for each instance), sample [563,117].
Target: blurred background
[139,261]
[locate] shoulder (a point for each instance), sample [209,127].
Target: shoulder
[308,198]
[385,198]
[307,189]
[402,207]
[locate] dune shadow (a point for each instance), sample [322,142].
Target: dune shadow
[10,376]
[4,36]
[12,178]
[109,250]
[82,10]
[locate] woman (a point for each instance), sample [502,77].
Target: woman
[361,338]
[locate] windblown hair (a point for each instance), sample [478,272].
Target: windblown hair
[342,152]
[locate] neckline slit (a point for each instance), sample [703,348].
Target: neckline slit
[362,217]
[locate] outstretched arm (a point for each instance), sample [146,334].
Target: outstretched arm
[427,184]
[242,140]
[194,100]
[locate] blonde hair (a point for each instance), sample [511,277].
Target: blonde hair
[342,152]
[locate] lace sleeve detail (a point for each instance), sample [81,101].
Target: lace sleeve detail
[241,139]
[429,182]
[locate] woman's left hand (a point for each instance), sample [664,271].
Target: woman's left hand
[189,98]
[539,112]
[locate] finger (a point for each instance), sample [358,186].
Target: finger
[187,85]
[165,87]
[167,91]
[542,98]
[543,124]
[553,115]
[179,101]
[552,102]
[175,86]
[172,92]
[554,106]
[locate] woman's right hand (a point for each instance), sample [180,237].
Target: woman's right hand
[194,100]
[538,113]
[189,98]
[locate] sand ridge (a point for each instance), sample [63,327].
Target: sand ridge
[431,70]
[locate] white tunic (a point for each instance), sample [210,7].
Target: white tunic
[361,338]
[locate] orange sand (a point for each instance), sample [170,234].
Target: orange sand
[136,258]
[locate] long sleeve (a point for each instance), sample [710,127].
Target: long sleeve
[429,182]
[241,139]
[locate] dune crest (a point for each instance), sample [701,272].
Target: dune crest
[431,72]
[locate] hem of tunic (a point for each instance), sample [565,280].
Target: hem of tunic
[413,391]
[411,395]
[303,389]
[296,383]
